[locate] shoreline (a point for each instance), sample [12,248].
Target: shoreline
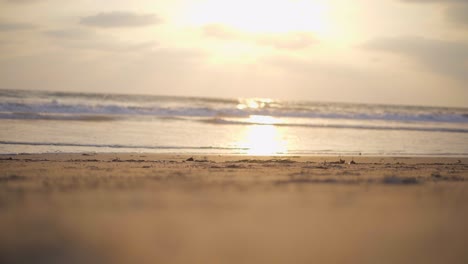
[291,155]
[166,208]
[182,157]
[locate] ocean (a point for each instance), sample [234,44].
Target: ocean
[49,122]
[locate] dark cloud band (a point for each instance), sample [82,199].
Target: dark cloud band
[7,26]
[120,19]
[456,11]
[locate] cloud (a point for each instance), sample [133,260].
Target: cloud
[443,57]
[74,34]
[120,19]
[21,1]
[85,39]
[288,40]
[456,11]
[9,26]
[458,15]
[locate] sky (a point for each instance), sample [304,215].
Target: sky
[412,52]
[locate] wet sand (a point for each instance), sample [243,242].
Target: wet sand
[150,208]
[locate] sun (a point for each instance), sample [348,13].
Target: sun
[262,16]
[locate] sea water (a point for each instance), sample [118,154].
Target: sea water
[45,122]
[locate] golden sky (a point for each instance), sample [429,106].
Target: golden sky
[371,51]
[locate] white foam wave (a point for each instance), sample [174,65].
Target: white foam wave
[16,104]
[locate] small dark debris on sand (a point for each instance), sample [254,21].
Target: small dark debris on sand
[83,160]
[197,160]
[129,160]
[265,161]
[234,166]
[340,161]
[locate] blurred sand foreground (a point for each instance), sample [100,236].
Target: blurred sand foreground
[149,208]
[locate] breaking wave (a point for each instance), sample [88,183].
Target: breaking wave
[18,104]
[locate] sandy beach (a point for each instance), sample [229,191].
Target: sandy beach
[153,208]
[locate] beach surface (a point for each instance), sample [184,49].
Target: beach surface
[155,208]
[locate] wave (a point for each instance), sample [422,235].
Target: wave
[43,105]
[340,126]
[16,110]
[40,116]
[78,117]
[116,146]
[225,121]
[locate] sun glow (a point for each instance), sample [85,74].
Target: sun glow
[263,120]
[254,103]
[263,140]
[263,137]
[263,16]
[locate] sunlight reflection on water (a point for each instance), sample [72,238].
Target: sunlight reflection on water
[263,138]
